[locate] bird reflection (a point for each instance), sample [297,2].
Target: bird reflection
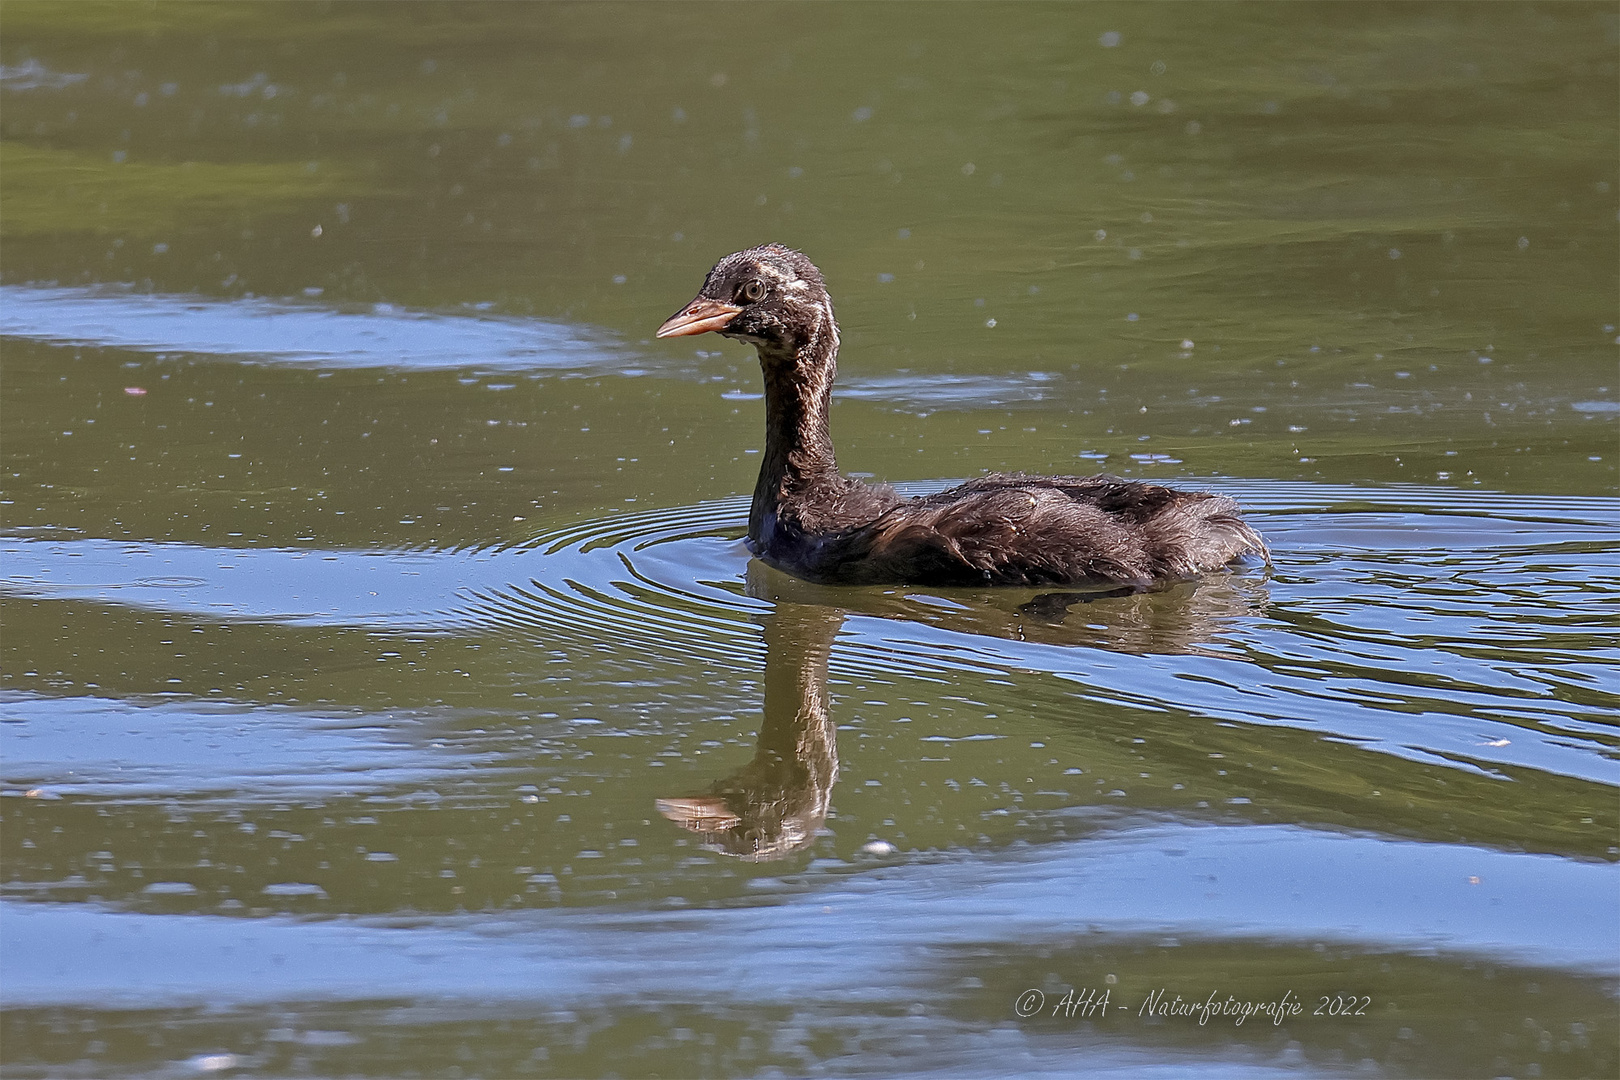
[1184,617]
[774,805]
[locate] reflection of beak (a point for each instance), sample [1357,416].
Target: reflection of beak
[700,813]
[699,317]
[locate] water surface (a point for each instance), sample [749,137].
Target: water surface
[387,690]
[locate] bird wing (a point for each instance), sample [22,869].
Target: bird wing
[1000,534]
[1009,529]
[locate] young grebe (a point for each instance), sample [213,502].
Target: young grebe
[1001,529]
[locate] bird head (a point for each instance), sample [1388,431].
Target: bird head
[770,296]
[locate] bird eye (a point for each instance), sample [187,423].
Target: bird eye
[754,291]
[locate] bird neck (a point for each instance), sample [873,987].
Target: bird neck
[798,442]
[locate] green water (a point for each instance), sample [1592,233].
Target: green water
[369,574]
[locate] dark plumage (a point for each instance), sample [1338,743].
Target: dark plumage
[1002,529]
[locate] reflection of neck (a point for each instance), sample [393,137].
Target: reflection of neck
[798,735]
[774,805]
[798,442]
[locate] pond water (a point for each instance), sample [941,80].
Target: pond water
[387,689]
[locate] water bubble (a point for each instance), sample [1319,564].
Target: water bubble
[1132,317]
[1109,39]
[1524,242]
[967,170]
[862,114]
[1140,97]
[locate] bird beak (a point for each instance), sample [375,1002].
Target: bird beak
[700,813]
[699,317]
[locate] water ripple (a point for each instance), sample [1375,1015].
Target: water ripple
[301,334]
[1471,630]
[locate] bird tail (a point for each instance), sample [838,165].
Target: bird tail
[1212,533]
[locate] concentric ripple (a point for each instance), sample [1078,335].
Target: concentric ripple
[664,583]
[1473,630]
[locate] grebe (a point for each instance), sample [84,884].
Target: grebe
[1002,529]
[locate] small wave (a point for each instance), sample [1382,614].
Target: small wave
[934,393]
[302,334]
[1464,629]
[93,745]
[33,75]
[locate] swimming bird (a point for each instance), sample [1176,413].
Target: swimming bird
[812,521]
